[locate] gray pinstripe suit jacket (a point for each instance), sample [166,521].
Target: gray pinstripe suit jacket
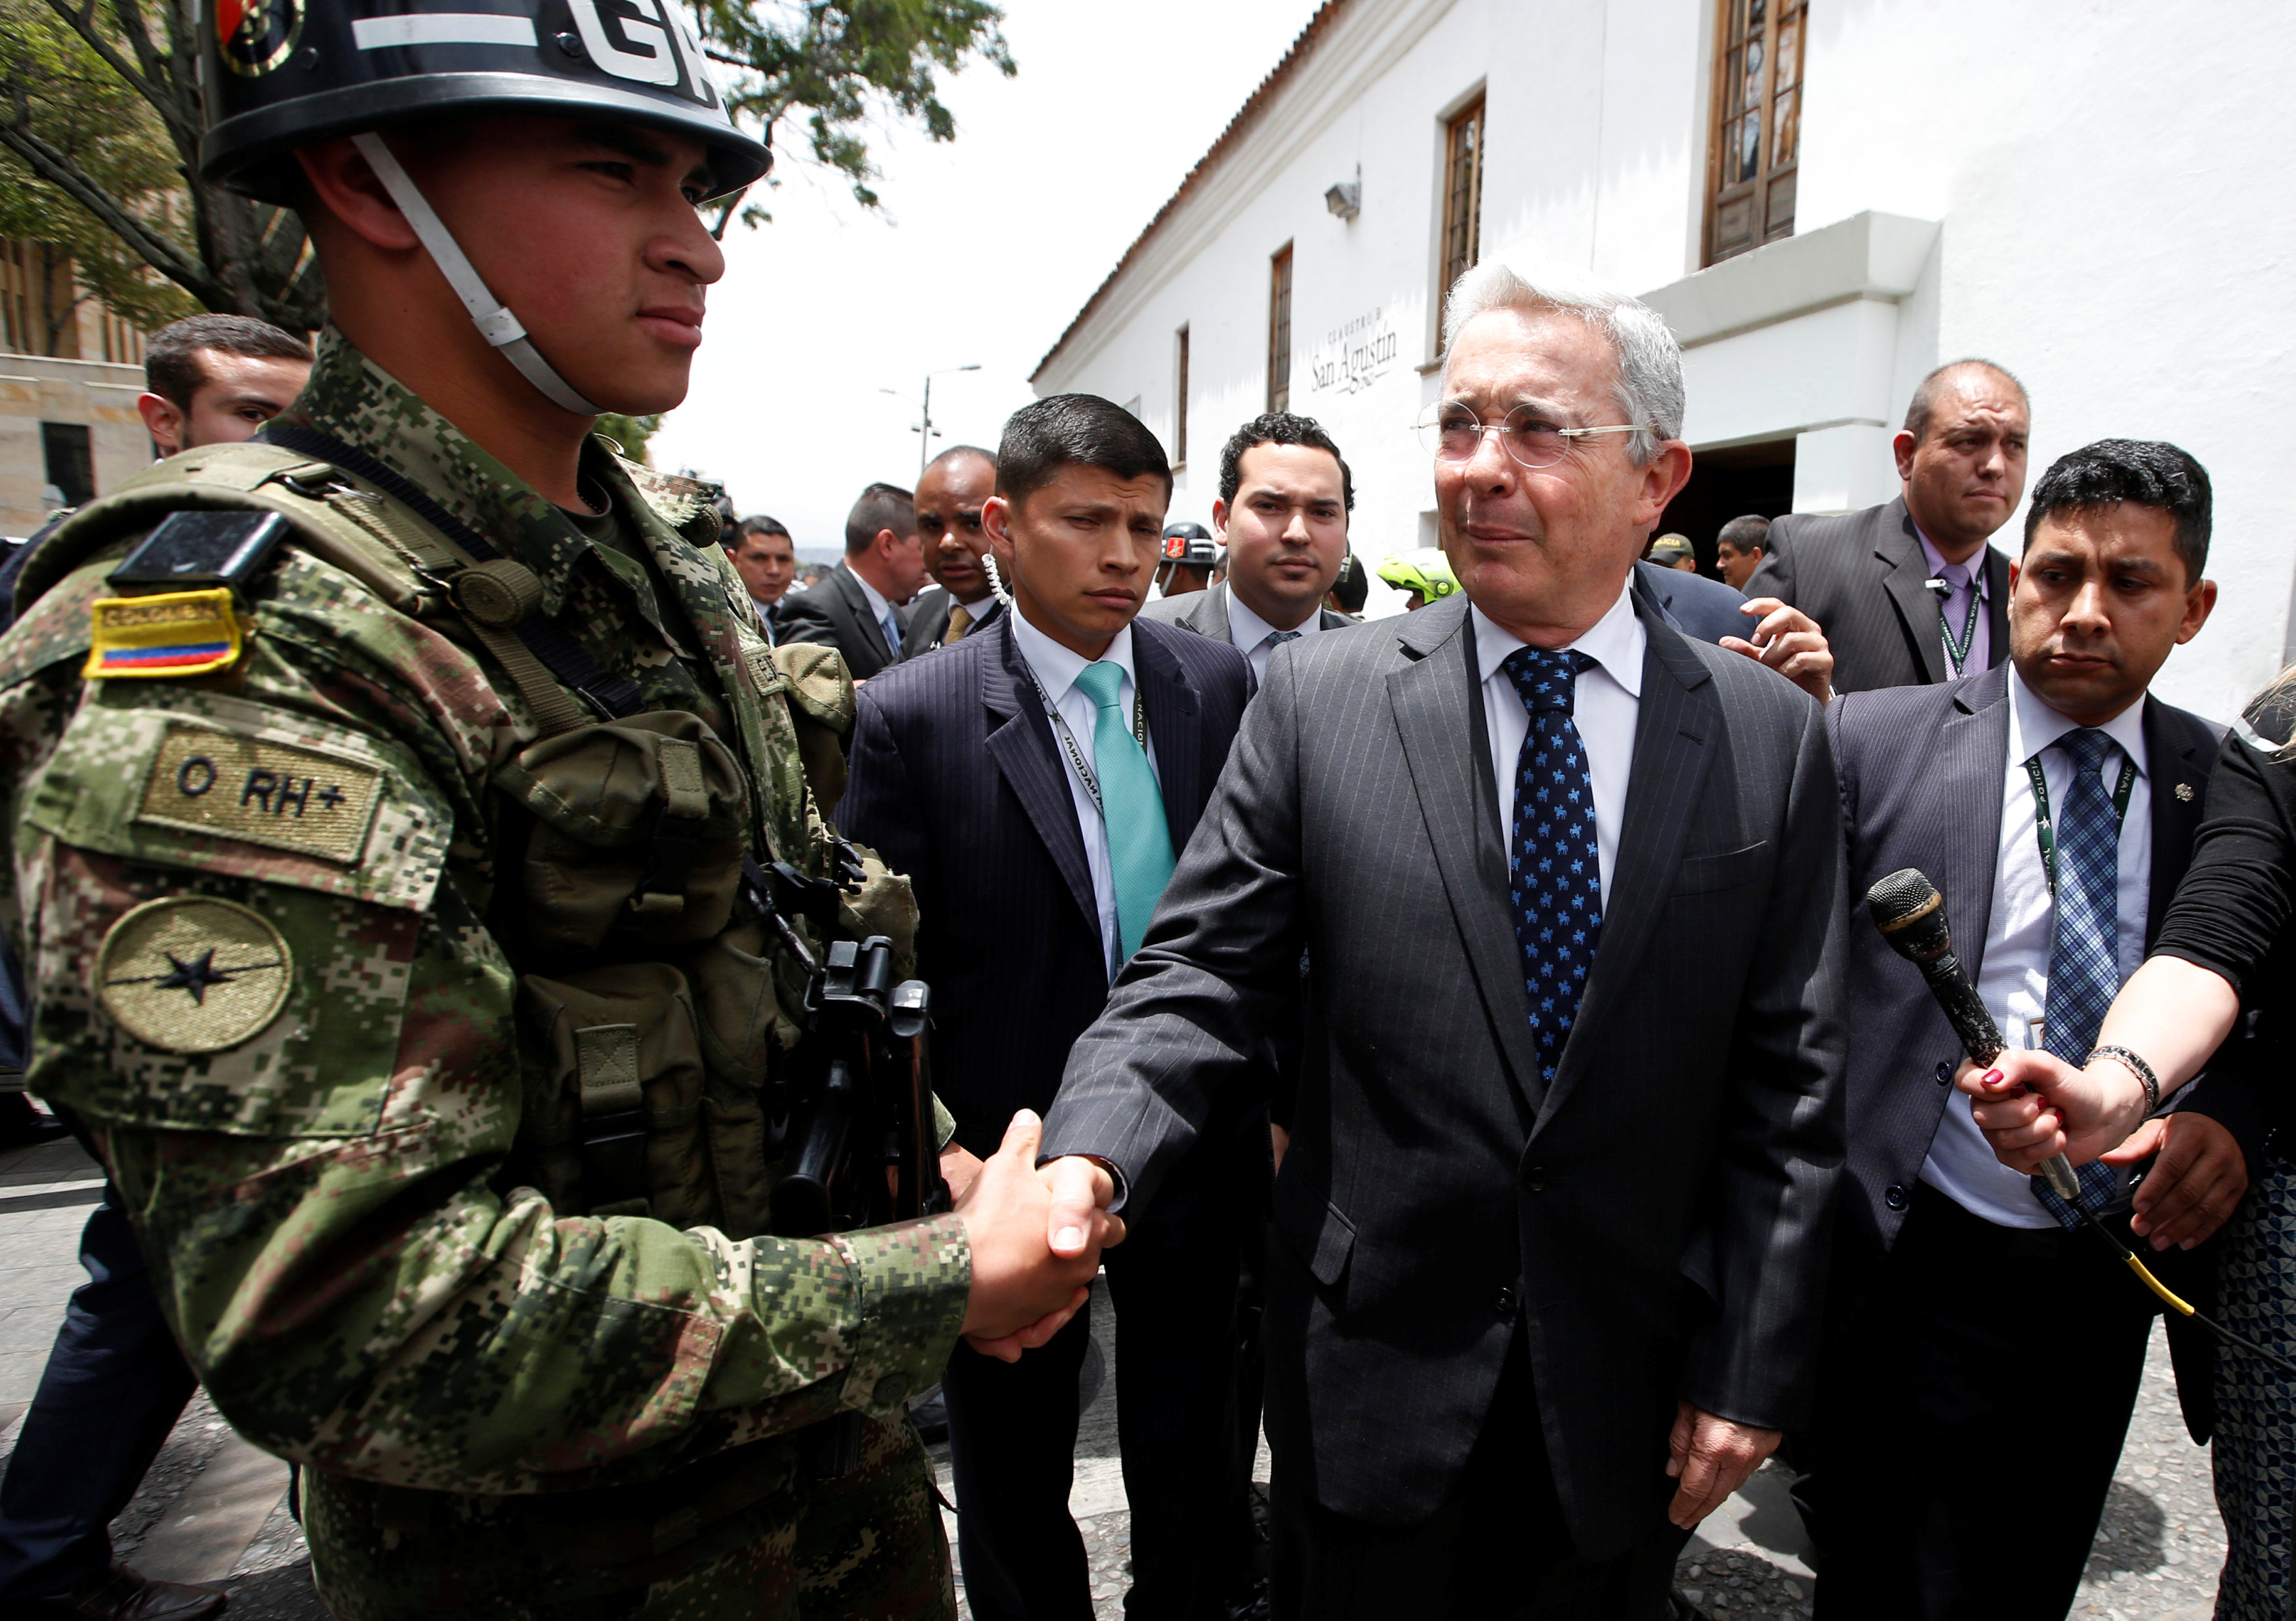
[1656,1218]
[1205,612]
[1859,575]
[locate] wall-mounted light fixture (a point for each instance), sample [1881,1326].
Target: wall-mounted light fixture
[1345,200]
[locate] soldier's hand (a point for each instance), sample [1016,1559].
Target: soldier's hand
[1023,1292]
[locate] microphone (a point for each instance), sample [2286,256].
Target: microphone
[1910,914]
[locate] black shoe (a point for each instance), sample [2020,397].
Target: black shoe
[120,1595]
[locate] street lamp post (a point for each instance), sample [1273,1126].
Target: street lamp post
[924,428]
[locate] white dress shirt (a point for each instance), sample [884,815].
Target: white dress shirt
[1249,633]
[1976,657]
[1056,669]
[880,607]
[2014,981]
[1608,699]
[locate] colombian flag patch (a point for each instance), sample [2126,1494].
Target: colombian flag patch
[174,635]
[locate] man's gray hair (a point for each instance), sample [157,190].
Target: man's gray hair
[1650,393]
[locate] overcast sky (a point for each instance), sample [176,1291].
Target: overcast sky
[984,250]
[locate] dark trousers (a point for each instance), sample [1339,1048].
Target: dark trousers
[114,1386]
[1498,1548]
[1012,1427]
[1970,1409]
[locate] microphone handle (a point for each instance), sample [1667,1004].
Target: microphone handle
[1980,1038]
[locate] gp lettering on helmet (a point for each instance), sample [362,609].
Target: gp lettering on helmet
[649,60]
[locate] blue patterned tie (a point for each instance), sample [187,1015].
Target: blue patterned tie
[1555,874]
[1132,810]
[1277,638]
[2084,961]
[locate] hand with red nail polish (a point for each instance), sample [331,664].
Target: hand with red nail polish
[2024,1102]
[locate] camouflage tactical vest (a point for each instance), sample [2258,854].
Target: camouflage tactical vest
[656,1004]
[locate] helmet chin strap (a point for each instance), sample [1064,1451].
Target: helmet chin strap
[494,322]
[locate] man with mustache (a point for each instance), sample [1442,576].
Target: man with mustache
[948,502]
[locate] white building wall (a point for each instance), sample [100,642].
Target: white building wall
[2103,191]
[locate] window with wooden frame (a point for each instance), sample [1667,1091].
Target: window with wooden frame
[1279,330]
[1180,402]
[1757,128]
[1463,194]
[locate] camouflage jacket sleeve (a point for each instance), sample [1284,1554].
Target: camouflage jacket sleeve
[249,907]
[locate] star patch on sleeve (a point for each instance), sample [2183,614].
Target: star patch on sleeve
[193,974]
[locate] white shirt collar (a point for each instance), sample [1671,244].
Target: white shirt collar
[1248,630]
[1617,641]
[879,605]
[1055,667]
[2038,725]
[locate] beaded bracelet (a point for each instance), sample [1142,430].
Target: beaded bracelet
[2136,1067]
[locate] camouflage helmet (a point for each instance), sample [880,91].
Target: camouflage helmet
[279,74]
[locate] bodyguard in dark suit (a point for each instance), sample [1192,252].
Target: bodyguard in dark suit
[862,609]
[950,497]
[1865,576]
[1554,1214]
[964,778]
[1960,1292]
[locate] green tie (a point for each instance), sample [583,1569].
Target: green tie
[1132,810]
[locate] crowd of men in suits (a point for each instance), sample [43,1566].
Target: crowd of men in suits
[1344,958]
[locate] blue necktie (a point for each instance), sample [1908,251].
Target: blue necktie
[1555,874]
[1132,809]
[1277,638]
[2084,958]
[892,629]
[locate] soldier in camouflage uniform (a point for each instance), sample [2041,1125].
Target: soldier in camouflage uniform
[360,886]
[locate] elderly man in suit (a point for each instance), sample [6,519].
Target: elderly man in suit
[1035,780]
[1908,591]
[950,498]
[860,609]
[2053,803]
[1553,1221]
[1282,513]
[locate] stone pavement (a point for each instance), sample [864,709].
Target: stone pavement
[214,1508]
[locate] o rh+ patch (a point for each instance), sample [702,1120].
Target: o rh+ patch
[229,785]
[193,974]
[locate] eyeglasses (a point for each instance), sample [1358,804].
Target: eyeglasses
[1455,434]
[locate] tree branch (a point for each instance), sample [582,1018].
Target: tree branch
[156,250]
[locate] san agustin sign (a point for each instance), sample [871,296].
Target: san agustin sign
[1354,354]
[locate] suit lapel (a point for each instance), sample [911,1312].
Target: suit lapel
[1207,616]
[1966,779]
[1439,714]
[1021,743]
[1674,722]
[857,603]
[1175,726]
[1898,550]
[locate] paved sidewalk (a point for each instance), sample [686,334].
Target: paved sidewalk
[214,1508]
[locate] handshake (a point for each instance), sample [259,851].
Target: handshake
[1035,1237]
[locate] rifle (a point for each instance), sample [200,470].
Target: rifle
[862,1150]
